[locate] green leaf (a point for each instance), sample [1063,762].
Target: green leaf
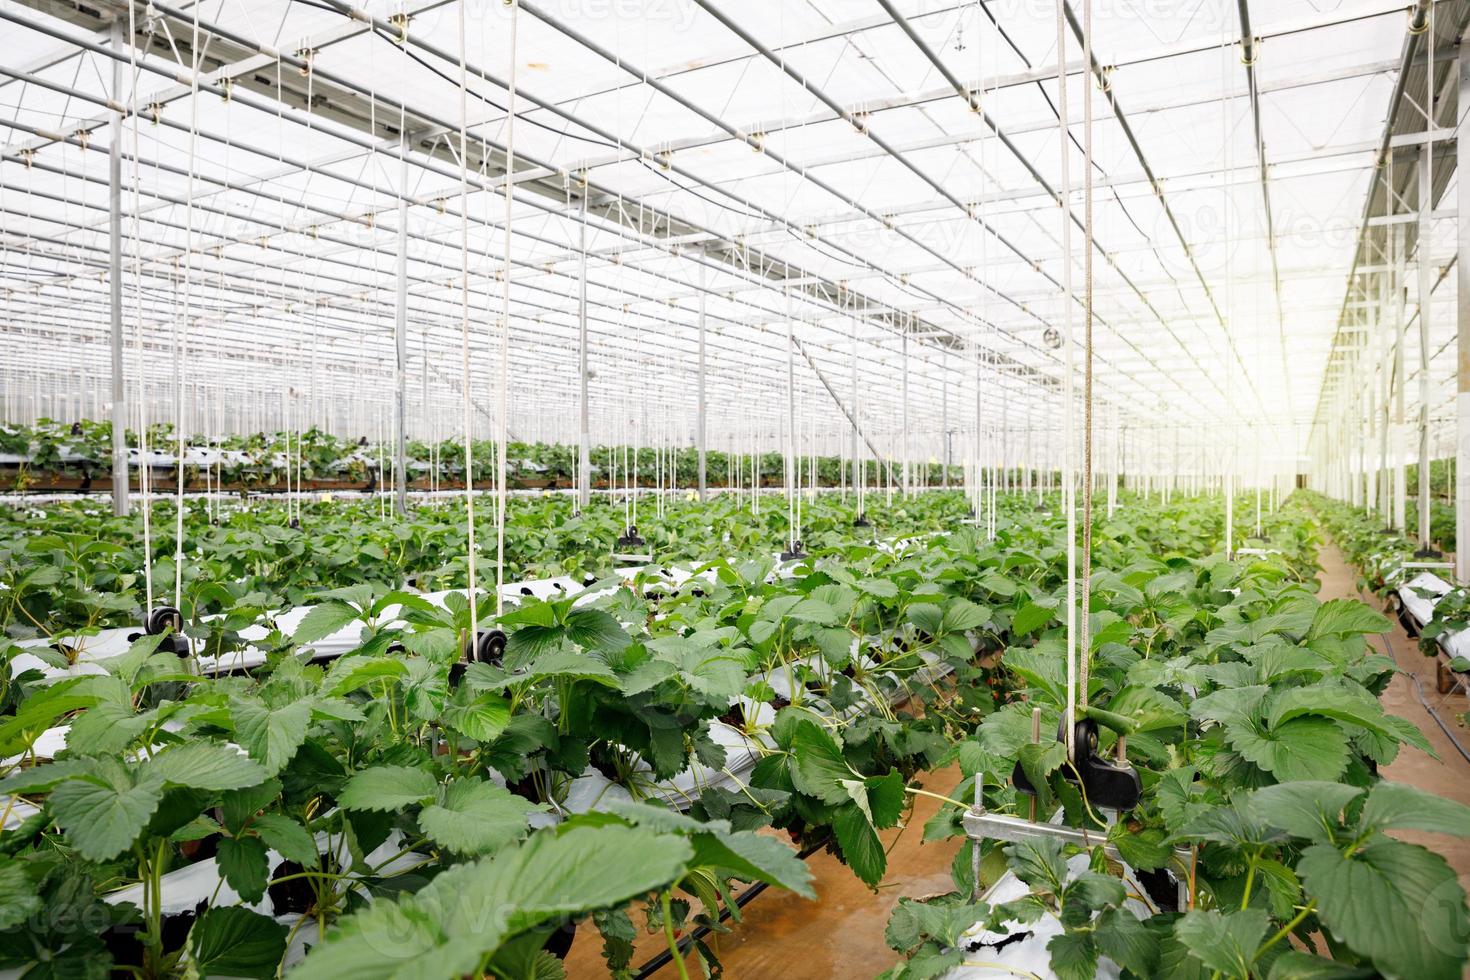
[18,894]
[387,788]
[885,798]
[475,817]
[482,717]
[754,857]
[1123,938]
[271,735]
[236,942]
[1303,748]
[1394,903]
[1073,956]
[324,620]
[287,838]
[1346,617]
[1339,703]
[927,617]
[102,818]
[472,909]
[962,614]
[1307,809]
[1398,805]
[242,862]
[569,663]
[1031,617]
[1296,965]
[204,765]
[1039,863]
[861,848]
[594,629]
[350,673]
[818,766]
[1224,941]
[1148,709]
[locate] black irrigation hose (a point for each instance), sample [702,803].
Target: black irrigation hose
[1419,693]
[664,958]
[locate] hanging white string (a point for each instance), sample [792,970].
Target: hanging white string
[464,331]
[510,163]
[1068,437]
[1085,627]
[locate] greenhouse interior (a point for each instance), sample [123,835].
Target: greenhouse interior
[528,489]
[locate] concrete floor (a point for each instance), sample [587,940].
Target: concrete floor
[794,939]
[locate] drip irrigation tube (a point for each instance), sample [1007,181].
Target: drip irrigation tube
[1419,693]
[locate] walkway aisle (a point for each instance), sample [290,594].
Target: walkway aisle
[840,935]
[1447,776]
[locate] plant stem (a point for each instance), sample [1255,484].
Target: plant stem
[1286,929]
[665,902]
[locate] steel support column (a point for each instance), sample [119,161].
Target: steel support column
[1462,320]
[1426,287]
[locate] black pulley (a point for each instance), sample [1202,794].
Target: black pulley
[861,521]
[631,539]
[76,428]
[487,647]
[1104,782]
[295,524]
[168,622]
[794,552]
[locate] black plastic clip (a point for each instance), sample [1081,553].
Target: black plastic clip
[861,521]
[168,620]
[794,552]
[631,539]
[1104,782]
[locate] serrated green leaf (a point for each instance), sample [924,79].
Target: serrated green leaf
[861,848]
[1346,617]
[1404,807]
[101,818]
[236,942]
[471,910]
[1309,808]
[242,862]
[754,857]
[1395,903]
[387,788]
[271,735]
[1303,748]
[323,620]
[475,817]
[1031,617]
[204,765]
[1224,941]
[287,838]
[818,766]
